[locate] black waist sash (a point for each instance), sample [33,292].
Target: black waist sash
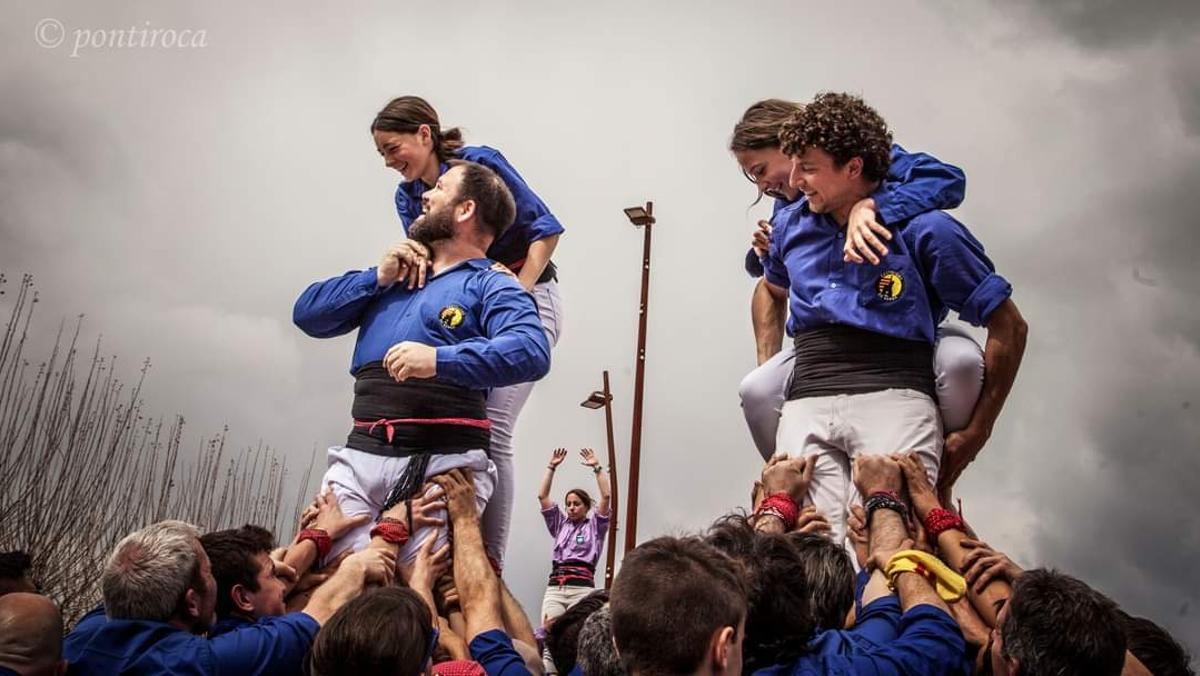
[415,416]
[839,359]
[573,573]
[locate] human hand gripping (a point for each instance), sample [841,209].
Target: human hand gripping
[862,234]
[459,488]
[410,359]
[427,568]
[417,513]
[760,241]
[920,490]
[377,566]
[408,260]
[329,516]
[983,564]
[788,475]
[960,450]
[877,474]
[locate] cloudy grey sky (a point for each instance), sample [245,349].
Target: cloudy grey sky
[183,197]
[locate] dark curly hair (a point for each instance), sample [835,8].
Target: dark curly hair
[844,126]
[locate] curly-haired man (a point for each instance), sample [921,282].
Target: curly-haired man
[864,333]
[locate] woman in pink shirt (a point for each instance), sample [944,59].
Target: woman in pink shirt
[578,536]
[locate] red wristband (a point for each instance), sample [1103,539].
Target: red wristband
[319,537]
[391,530]
[939,520]
[783,506]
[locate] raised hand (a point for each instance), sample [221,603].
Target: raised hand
[589,457]
[558,456]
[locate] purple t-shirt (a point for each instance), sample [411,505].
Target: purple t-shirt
[576,540]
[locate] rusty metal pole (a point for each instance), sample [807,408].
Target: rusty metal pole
[610,563]
[639,383]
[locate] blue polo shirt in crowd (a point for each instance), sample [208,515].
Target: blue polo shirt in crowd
[494,650]
[99,645]
[928,643]
[915,183]
[935,265]
[533,219]
[483,323]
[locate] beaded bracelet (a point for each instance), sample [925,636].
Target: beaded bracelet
[884,500]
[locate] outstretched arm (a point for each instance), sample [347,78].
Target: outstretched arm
[590,459]
[556,459]
[1002,354]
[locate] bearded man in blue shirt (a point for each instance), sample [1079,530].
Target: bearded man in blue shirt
[427,352]
[864,333]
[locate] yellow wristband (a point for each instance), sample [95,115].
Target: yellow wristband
[949,585]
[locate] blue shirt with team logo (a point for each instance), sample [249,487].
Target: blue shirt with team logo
[483,323]
[935,265]
[533,219]
[915,183]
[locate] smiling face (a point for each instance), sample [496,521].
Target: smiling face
[768,169]
[438,209]
[830,188]
[408,153]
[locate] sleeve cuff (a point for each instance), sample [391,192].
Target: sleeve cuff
[983,301]
[545,226]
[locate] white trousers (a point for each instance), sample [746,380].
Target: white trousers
[504,404]
[363,480]
[841,427]
[957,370]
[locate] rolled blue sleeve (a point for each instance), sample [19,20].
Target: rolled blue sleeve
[494,650]
[917,183]
[335,306]
[515,349]
[275,645]
[532,212]
[957,267]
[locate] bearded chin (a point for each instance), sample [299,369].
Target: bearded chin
[432,227]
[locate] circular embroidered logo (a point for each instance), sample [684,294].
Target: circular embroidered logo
[890,285]
[452,316]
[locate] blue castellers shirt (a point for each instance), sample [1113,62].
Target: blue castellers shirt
[928,643]
[99,645]
[483,323]
[915,183]
[935,265]
[533,219]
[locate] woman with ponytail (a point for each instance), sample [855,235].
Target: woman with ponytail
[411,139]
